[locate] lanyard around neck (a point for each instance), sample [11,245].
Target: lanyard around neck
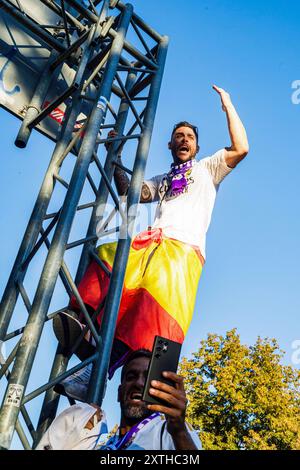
[124,441]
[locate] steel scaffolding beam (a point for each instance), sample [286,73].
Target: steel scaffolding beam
[104,68]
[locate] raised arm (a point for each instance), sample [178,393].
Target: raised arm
[239,141]
[122,181]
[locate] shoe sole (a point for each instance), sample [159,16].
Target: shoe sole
[67,330]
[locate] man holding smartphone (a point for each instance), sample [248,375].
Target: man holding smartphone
[142,426]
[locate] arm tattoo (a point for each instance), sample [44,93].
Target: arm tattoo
[122,183]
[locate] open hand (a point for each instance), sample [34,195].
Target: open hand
[225,97]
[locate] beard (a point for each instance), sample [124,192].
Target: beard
[135,412]
[191,156]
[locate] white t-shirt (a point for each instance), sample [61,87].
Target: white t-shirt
[68,432]
[186,217]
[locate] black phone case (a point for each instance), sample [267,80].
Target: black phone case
[165,357]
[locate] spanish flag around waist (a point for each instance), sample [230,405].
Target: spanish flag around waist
[159,290]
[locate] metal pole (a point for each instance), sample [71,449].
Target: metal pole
[51,399]
[22,436]
[141,23]
[57,10]
[31,336]
[99,373]
[33,27]
[34,226]
[127,45]
[103,192]
[36,101]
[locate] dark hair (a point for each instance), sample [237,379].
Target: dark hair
[186,124]
[132,356]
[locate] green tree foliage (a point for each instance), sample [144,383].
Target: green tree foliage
[242,397]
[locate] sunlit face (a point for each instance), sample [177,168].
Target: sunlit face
[183,144]
[131,389]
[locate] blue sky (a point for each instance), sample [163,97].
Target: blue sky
[251,277]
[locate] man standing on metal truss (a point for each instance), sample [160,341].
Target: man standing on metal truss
[142,426]
[165,263]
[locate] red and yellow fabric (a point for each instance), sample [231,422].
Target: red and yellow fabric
[159,290]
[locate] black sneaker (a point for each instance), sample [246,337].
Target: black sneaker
[67,328]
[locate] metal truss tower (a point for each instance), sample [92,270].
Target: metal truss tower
[97,79]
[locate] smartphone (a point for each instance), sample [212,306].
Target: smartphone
[165,357]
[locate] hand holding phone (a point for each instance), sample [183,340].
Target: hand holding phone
[165,358]
[166,393]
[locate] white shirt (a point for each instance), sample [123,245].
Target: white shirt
[186,217]
[68,432]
